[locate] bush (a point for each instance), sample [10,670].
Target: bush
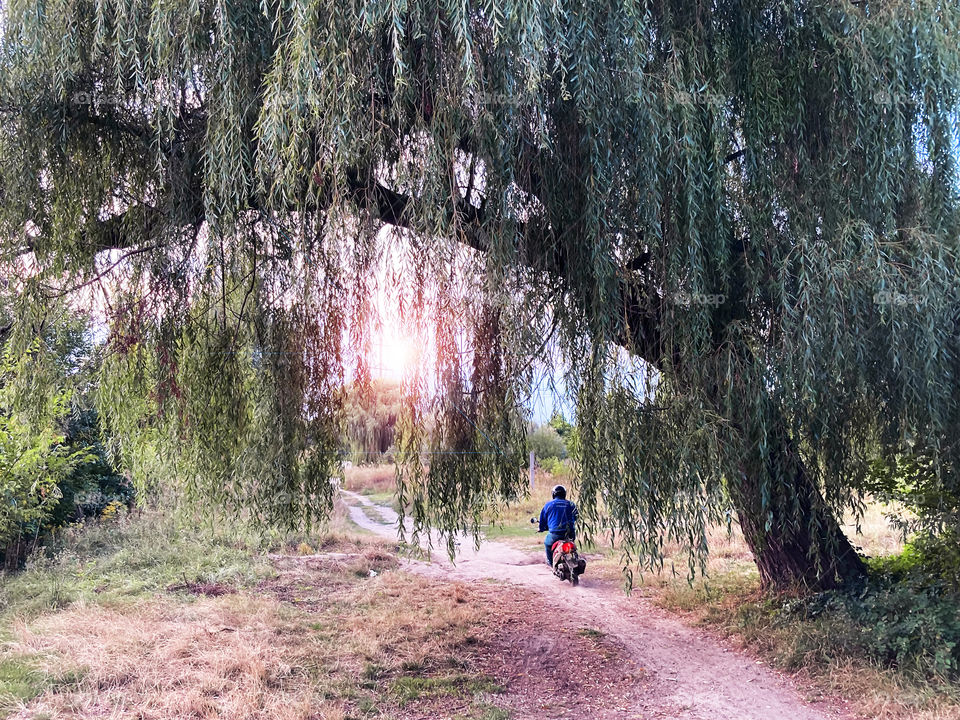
[928,484]
[546,442]
[554,466]
[905,616]
[53,468]
[94,484]
[32,466]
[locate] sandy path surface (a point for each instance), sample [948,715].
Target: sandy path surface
[694,676]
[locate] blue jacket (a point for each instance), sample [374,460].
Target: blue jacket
[559,516]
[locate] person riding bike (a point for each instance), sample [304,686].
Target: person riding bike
[558,518]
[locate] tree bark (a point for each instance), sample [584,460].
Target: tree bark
[795,538]
[794,545]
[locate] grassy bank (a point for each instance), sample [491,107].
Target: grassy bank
[152,613]
[112,565]
[124,560]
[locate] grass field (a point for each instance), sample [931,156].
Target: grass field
[511,524]
[152,614]
[145,616]
[371,479]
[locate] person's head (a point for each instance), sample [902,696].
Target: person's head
[559,492]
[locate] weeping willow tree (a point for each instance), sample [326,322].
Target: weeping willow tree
[731,225]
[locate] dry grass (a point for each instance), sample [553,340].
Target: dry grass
[874,534]
[512,522]
[336,630]
[223,657]
[371,479]
[327,636]
[341,632]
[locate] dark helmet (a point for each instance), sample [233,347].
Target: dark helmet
[559,492]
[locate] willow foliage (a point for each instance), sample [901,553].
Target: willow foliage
[732,225]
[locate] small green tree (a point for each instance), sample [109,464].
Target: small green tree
[32,464]
[54,467]
[567,432]
[34,461]
[546,442]
[559,423]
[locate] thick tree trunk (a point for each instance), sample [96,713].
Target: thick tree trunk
[14,555]
[795,539]
[797,544]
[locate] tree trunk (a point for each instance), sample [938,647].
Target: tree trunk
[803,546]
[14,555]
[795,540]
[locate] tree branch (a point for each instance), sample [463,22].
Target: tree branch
[641,333]
[104,273]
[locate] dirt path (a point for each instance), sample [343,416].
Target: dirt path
[694,676]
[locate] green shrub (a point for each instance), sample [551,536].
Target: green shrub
[546,442]
[52,476]
[928,484]
[33,464]
[904,616]
[94,484]
[128,558]
[554,466]
[54,469]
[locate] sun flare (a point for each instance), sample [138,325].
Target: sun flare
[396,355]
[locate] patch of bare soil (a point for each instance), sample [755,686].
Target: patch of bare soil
[498,647]
[210,589]
[550,664]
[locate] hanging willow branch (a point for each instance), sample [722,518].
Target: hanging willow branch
[744,213]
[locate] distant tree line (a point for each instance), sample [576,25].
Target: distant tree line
[371,415]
